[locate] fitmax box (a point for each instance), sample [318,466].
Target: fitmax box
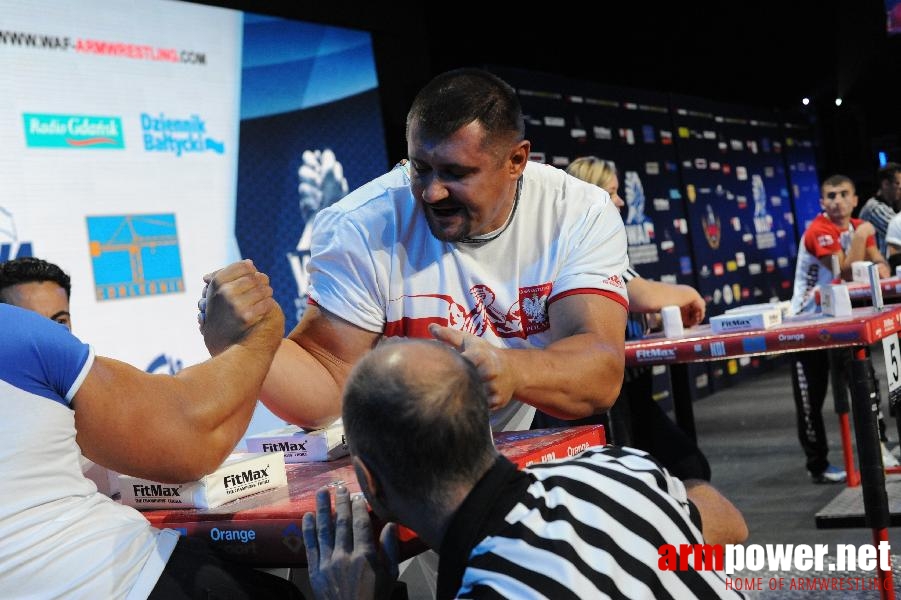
[300,445]
[784,307]
[860,270]
[240,475]
[762,319]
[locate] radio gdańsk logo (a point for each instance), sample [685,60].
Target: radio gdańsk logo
[73,131]
[178,135]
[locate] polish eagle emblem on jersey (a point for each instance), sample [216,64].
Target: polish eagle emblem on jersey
[534,308]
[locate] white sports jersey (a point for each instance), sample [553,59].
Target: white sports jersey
[822,238]
[60,536]
[376,264]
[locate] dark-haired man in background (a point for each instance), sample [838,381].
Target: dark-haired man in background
[37,285]
[832,235]
[882,208]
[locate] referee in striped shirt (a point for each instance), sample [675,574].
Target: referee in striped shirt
[416,419]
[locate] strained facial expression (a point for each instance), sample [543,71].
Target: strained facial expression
[463,185]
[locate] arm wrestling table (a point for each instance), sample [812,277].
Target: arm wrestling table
[264,529]
[857,332]
[860,294]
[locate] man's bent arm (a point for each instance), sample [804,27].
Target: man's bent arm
[175,428]
[307,376]
[721,522]
[857,250]
[648,296]
[580,373]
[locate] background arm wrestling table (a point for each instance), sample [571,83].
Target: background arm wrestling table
[857,332]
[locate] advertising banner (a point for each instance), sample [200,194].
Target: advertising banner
[123,126]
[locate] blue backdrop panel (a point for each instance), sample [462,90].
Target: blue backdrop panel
[568,118]
[739,207]
[804,182]
[305,87]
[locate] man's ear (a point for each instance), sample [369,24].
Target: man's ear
[367,479]
[519,156]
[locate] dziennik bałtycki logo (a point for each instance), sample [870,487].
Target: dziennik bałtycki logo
[178,135]
[853,568]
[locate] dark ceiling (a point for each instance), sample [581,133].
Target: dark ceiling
[696,48]
[767,53]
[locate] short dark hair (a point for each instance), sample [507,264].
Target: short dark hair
[887,172]
[459,97]
[29,269]
[836,180]
[420,426]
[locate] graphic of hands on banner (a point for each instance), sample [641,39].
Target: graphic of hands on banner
[634,199]
[758,191]
[7,226]
[322,182]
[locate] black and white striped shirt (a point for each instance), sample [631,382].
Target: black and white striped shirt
[584,527]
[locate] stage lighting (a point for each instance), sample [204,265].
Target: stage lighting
[838,101]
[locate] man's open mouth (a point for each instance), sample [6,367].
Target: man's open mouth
[445,211]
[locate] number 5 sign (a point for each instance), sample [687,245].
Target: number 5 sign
[892,364]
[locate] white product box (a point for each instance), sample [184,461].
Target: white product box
[242,474]
[300,445]
[859,270]
[672,321]
[107,481]
[761,319]
[835,300]
[784,306]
